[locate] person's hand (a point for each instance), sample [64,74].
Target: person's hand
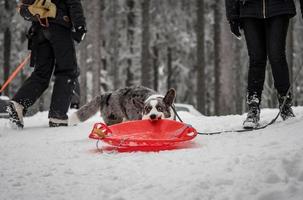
[25,13]
[79,33]
[235,28]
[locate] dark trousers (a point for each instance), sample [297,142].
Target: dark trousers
[53,52]
[267,38]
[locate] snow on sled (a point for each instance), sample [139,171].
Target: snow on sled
[144,135]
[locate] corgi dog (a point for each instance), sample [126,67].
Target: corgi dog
[126,104]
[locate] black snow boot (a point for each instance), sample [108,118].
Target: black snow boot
[286,110]
[253,115]
[57,122]
[15,111]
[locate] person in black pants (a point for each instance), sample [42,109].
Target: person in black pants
[265,25]
[51,42]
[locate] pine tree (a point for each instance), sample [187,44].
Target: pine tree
[96,45]
[146,69]
[200,57]
[131,26]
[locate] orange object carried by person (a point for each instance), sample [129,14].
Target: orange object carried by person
[15,73]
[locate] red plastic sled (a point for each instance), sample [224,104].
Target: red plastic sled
[144,135]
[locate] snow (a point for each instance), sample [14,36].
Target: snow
[62,163]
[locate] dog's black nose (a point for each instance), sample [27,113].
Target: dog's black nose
[153,116]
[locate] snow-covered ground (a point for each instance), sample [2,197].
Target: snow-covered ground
[40,163]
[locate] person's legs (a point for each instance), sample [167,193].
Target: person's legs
[276,30]
[36,84]
[254,32]
[276,33]
[66,72]
[255,36]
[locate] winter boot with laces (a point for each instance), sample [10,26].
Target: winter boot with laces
[286,110]
[16,112]
[253,115]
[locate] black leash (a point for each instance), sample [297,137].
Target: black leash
[252,129]
[237,131]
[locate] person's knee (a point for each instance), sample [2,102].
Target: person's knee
[70,80]
[67,73]
[277,58]
[66,82]
[42,79]
[258,61]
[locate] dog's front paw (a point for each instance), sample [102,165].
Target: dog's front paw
[73,120]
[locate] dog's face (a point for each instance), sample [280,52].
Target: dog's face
[158,107]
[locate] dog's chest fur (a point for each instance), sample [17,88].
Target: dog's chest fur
[121,105]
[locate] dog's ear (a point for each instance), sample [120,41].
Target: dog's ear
[170,97]
[138,103]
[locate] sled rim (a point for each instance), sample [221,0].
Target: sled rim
[184,133]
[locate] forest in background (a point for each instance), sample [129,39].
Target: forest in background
[184,44]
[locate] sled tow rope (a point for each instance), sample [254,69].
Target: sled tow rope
[14,74]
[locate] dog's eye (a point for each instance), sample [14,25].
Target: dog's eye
[147,109]
[160,109]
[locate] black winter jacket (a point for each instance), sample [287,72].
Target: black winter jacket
[69,13]
[236,9]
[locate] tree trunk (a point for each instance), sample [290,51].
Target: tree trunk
[130,77]
[83,56]
[97,44]
[114,43]
[290,58]
[200,57]
[169,68]
[226,78]
[146,69]
[83,74]
[218,17]
[7,56]
[272,95]
[155,67]
[131,16]
[238,69]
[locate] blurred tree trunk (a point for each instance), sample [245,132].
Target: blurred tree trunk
[226,78]
[290,57]
[146,69]
[7,43]
[218,17]
[114,44]
[200,57]
[290,48]
[96,45]
[131,16]
[169,68]
[7,56]
[272,94]
[238,69]
[155,67]
[83,74]
[83,57]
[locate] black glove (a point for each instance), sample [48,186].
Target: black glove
[235,27]
[79,33]
[25,13]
